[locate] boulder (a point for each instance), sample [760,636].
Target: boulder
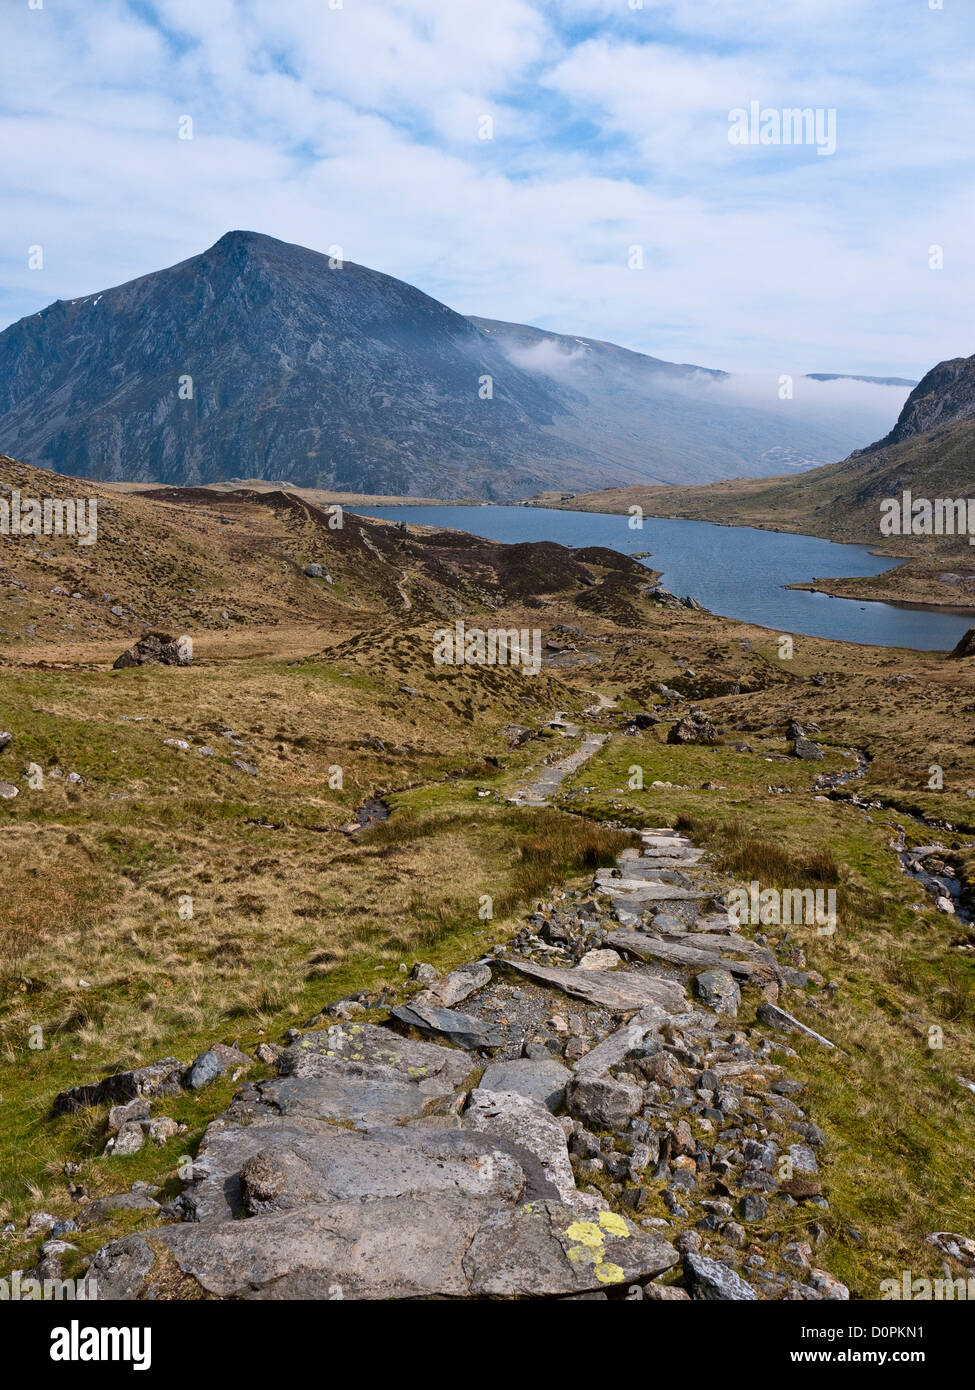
[119,1269]
[155,649]
[602,1102]
[805,748]
[213,1063]
[254,1170]
[693,728]
[528,1124]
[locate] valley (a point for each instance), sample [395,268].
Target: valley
[189,879]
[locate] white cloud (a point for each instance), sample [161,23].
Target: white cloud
[359,127]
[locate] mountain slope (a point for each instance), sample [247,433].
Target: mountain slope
[670,420]
[261,359]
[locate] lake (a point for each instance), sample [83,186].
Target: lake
[734,571]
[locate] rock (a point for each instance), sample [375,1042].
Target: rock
[693,728]
[803,1160]
[599,960]
[805,748]
[629,1038]
[965,647]
[516,734]
[602,1102]
[464,1030]
[267,1053]
[960,1248]
[63,1228]
[129,1139]
[710,1281]
[361,1074]
[775,1017]
[800,1189]
[681,953]
[615,989]
[120,1268]
[8,791]
[213,1063]
[155,648]
[528,1124]
[103,1208]
[315,571]
[38,1222]
[162,1078]
[425,974]
[752,1207]
[256,1170]
[161,1130]
[118,1115]
[5,738]
[828,1286]
[542,1249]
[426,1246]
[242,765]
[454,988]
[542,1081]
[719,990]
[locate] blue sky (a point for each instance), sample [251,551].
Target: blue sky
[358,124]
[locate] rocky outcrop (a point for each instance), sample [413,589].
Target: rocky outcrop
[155,649]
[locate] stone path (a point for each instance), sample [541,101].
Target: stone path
[547,780]
[605,1129]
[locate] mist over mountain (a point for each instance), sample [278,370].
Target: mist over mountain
[263,359]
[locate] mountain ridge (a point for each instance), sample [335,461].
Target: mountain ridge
[265,359]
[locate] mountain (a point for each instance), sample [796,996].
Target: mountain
[262,359]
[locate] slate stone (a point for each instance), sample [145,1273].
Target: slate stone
[462,1029]
[616,989]
[719,991]
[775,1017]
[543,1081]
[439,1070]
[119,1269]
[457,986]
[710,1281]
[677,952]
[103,1208]
[410,1246]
